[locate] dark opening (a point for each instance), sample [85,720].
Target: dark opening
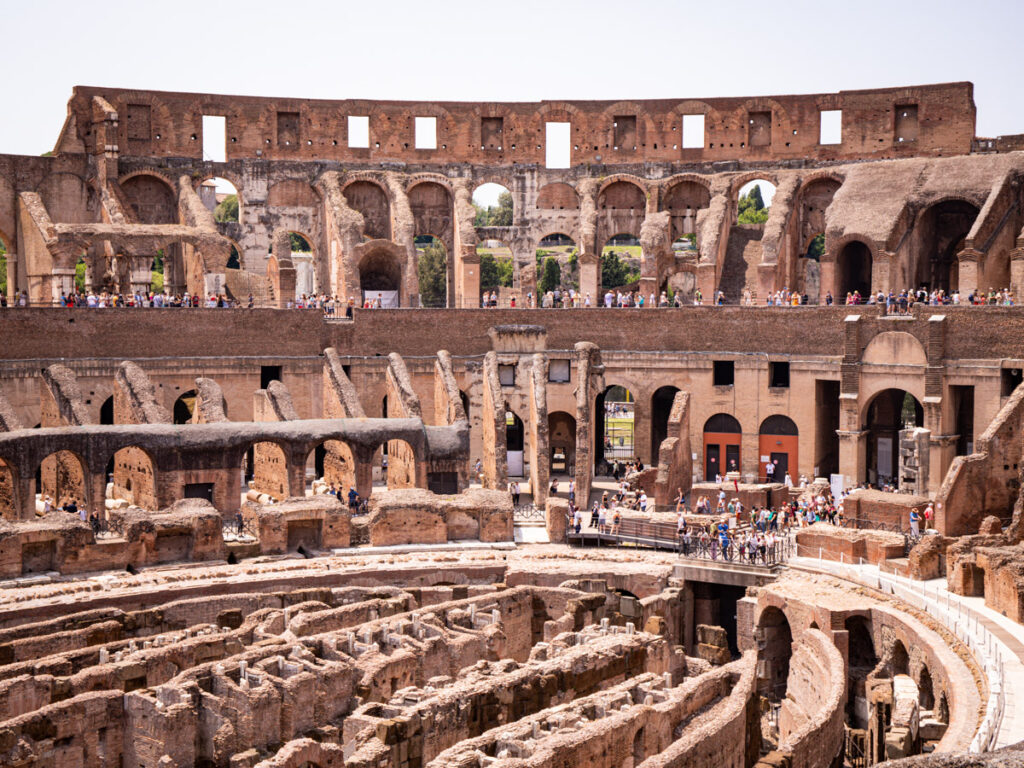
[963,409]
[826,448]
[1011,378]
[107,411]
[724,373]
[445,483]
[661,409]
[199,491]
[854,270]
[778,374]
[184,406]
[269,373]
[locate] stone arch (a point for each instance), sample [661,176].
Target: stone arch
[381,272]
[184,407]
[331,462]
[925,688]
[230,179]
[622,192]
[558,196]
[372,201]
[133,471]
[853,260]
[402,464]
[894,347]
[898,659]
[265,468]
[292,193]
[682,197]
[615,416]
[562,442]
[506,188]
[775,648]
[723,437]
[885,413]
[152,197]
[941,230]
[63,475]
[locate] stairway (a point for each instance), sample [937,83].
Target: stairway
[743,254]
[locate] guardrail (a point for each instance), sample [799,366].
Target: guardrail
[962,620]
[666,536]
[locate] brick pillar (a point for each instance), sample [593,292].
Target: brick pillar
[1017,275]
[969,267]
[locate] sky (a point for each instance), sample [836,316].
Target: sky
[509,51]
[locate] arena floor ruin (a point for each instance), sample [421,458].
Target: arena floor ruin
[208,602]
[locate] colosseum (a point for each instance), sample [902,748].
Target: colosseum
[709,477]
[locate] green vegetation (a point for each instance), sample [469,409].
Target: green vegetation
[751,207]
[156,280]
[80,276]
[433,272]
[817,248]
[227,209]
[551,278]
[615,272]
[299,244]
[618,394]
[3,269]
[495,216]
[494,272]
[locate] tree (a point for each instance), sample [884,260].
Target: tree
[299,243]
[751,208]
[614,271]
[3,269]
[817,248]
[502,215]
[433,273]
[80,276]
[227,209]
[494,272]
[552,276]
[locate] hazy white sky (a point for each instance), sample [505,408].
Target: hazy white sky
[526,50]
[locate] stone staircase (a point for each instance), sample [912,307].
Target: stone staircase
[743,254]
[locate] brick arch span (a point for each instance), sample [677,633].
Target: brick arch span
[642,184]
[416,179]
[780,120]
[153,173]
[736,182]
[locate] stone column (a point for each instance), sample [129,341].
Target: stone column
[364,470]
[881,269]
[12,277]
[141,274]
[590,277]
[1017,275]
[969,268]
[63,282]
[852,455]
[827,281]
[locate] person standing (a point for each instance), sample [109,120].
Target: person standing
[915,523]
[769,471]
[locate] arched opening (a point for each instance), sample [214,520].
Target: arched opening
[853,273]
[380,279]
[10,507]
[778,439]
[942,229]
[303,259]
[942,709]
[562,442]
[888,412]
[497,269]
[754,201]
[861,661]
[557,264]
[400,469]
[682,201]
[899,659]
[558,196]
[221,197]
[184,407]
[722,438]
[330,468]
[661,408]
[132,474]
[62,477]
[494,206]
[808,268]
[154,201]
[371,201]
[83,275]
[107,411]
[615,411]
[925,689]
[622,196]
[775,648]
[465,405]
[431,206]
[265,469]
[639,751]
[515,443]
[3,273]
[234,258]
[620,262]
[432,269]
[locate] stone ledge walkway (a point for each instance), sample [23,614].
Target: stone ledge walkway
[996,641]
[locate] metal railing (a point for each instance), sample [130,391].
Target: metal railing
[666,536]
[527,512]
[960,619]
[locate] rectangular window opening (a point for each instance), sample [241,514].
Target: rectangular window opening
[557,145]
[358,131]
[778,375]
[269,373]
[831,126]
[507,375]
[724,373]
[287,129]
[693,131]
[1011,379]
[426,133]
[215,132]
[558,370]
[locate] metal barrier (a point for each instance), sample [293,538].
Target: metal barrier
[665,536]
[527,512]
[966,624]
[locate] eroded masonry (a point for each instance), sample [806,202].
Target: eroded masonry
[269,538]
